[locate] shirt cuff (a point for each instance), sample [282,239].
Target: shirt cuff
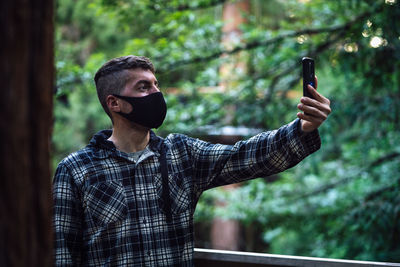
[305,143]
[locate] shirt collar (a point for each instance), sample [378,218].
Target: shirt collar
[103,148]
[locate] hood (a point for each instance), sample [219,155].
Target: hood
[103,148]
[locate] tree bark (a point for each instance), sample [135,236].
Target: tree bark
[26,77]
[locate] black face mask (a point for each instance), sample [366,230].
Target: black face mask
[148,111]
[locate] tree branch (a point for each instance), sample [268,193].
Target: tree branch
[184,7]
[262,43]
[345,180]
[380,191]
[382,159]
[292,67]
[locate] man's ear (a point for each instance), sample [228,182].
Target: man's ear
[113,103]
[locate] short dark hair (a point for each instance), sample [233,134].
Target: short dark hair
[112,76]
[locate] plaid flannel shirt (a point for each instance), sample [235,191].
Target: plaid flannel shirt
[109,210]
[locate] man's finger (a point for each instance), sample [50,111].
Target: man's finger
[317,96]
[316,82]
[323,106]
[314,92]
[310,118]
[309,123]
[315,112]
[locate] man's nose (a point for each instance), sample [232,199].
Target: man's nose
[154,89]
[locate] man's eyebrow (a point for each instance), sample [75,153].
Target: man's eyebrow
[145,82]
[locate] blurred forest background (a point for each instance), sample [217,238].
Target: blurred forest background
[343,201]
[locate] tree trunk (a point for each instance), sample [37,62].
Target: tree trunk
[225,234]
[26,78]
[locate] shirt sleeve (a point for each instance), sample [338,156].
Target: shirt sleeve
[66,219]
[265,154]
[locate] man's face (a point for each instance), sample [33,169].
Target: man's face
[141,83]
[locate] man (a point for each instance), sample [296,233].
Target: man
[128,198]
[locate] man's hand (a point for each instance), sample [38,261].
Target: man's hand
[317,109]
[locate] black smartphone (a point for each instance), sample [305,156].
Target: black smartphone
[308,75]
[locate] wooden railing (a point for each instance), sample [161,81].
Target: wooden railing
[222,258]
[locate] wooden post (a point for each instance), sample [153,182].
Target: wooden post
[26,78]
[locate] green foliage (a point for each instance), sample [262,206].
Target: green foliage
[341,202]
[77,110]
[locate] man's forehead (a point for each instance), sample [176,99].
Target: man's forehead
[140,74]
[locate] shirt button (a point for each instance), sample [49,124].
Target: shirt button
[144,221]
